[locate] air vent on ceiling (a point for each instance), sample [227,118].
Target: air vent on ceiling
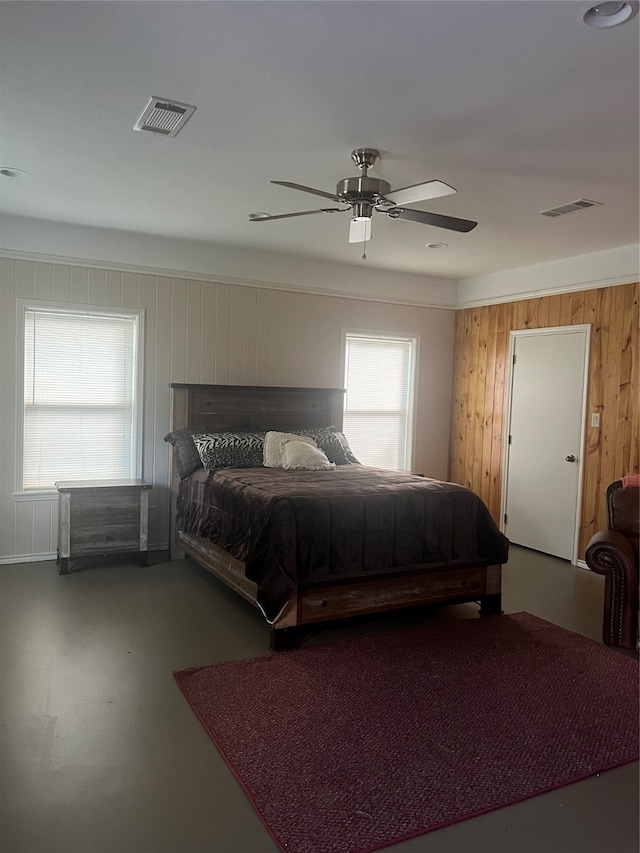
[580,204]
[164,116]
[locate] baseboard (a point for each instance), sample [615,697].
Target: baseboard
[43,558]
[27,558]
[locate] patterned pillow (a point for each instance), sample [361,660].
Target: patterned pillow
[230,449]
[185,453]
[327,440]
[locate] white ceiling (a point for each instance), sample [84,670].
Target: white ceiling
[517,104]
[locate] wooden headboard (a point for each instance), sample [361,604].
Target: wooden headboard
[221,408]
[227,408]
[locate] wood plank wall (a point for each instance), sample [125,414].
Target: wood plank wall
[480,375]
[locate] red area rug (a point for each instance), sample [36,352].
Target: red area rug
[351,747]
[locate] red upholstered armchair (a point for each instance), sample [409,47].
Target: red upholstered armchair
[614,554]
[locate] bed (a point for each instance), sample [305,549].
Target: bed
[308,547]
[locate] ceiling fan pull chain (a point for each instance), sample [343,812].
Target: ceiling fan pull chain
[364,250]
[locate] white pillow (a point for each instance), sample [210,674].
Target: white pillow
[298,454]
[273,445]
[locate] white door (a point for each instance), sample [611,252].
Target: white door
[545,438]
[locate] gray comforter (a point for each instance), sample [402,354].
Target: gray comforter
[303,527]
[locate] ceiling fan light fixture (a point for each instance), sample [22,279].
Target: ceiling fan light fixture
[602,16]
[360,229]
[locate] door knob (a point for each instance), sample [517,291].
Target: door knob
[570,458]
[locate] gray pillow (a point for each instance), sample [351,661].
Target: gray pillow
[327,440]
[185,453]
[342,438]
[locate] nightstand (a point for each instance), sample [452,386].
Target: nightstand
[97,517]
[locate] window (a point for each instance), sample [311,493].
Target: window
[378,416]
[81,395]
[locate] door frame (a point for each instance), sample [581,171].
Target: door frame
[584,329]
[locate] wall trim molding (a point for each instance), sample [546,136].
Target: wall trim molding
[13,254]
[189,275]
[553,291]
[44,495]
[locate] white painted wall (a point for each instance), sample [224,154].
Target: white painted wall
[196,259]
[597,269]
[212,332]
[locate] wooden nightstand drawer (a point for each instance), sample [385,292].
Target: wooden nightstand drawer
[98,517]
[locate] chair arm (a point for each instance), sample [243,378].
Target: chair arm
[609,553]
[609,550]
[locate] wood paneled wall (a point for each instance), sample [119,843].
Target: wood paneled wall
[480,375]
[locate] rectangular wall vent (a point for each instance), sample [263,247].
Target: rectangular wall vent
[580,204]
[164,116]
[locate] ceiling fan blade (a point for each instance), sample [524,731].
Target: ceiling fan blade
[450,222]
[305,189]
[265,217]
[359,230]
[420,192]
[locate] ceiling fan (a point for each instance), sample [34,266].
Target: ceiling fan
[362,195]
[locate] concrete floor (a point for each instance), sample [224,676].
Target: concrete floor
[101,753]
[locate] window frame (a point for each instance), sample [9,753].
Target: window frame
[414,341]
[138,316]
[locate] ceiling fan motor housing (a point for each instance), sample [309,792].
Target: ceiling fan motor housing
[362,189]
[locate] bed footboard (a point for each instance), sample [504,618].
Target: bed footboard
[320,602]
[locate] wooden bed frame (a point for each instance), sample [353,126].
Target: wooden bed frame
[219,408]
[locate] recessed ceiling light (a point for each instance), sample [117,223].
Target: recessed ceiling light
[10,172]
[602,16]
[437,245]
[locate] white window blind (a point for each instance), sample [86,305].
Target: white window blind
[79,397]
[379,378]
